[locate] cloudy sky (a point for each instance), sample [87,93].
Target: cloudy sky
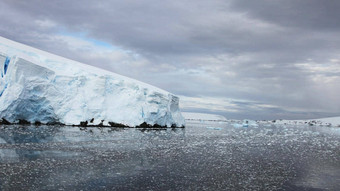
[264,59]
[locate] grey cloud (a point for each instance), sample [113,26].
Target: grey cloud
[235,49]
[310,14]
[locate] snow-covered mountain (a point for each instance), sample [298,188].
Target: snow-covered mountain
[39,86]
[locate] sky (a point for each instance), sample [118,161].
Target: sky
[264,59]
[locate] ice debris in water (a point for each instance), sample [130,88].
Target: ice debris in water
[249,123]
[246,123]
[214,128]
[237,125]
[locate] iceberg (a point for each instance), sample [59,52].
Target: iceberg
[37,86]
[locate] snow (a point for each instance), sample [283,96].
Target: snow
[203,116]
[39,86]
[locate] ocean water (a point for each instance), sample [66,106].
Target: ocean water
[202,156]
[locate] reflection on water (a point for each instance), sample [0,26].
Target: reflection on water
[203,156]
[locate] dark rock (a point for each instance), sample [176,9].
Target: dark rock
[100,124]
[5,122]
[158,126]
[37,123]
[92,120]
[144,125]
[54,123]
[24,122]
[175,126]
[83,123]
[113,124]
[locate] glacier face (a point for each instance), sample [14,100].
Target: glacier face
[39,86]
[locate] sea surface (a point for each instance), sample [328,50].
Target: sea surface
[202,156]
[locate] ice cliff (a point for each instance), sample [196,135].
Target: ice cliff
[39,86]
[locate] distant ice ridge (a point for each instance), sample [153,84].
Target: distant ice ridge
[203,116]
[39,86]
[330,121]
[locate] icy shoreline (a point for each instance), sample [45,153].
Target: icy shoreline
[87,124]
[330,121]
